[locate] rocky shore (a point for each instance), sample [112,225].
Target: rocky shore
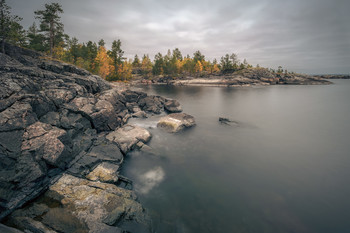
[63,138]
[334,76]
[246,77]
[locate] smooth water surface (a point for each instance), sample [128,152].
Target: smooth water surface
[284,167]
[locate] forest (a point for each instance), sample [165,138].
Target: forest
[49,37]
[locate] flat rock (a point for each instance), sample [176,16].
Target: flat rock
[104,172]
[176,121]
[128,136]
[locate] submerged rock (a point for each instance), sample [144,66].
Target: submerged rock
[128,137]
[227,121]
[176,121]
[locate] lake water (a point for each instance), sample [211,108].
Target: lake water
[284,167]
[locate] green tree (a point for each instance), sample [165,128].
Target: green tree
[116,54]
[74,49]
[177,54]
[36,41]
[198,56]
[9,25]
[158,67]
[136,63]
[91,54]
[146,65]
[101,43]
[50,23]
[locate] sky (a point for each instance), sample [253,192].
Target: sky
[307,36]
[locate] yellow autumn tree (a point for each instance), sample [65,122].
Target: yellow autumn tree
[199,67]
[102,63]
[146,66]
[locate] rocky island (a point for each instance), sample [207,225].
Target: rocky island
[63,138]
[245,77]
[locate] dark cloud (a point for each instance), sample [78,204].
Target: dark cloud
[305,36]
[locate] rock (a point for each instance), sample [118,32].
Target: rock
[83,165]
[6,229]
[28,224]
[172,106]
[128,136]
[46,142]
[226,121]
[98,206]
[54,118]
[133,96]
[104,172]
[139,114]
[176,121]
[152,104]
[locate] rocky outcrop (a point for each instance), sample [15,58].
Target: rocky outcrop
[176,121]
[334,76]
[245,77]
[61,130]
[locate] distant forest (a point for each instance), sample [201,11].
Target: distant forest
[49,37]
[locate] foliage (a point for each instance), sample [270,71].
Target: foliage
[51,25]
[10,29]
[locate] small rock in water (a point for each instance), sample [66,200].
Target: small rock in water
[176,121]
[227,121]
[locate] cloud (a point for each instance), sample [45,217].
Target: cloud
[305,36]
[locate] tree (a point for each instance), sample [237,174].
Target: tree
[8,24]
[136,63]
[116,54]
[36,41]
[177,54]
[158,67]
[197,56]
[91,54]
[146,65]
[199,67]
[50,23]
[226,64]
[102,63]
[101,43]
[74,49]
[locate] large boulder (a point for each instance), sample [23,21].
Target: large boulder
[176,121]
[98,206]
[129,137]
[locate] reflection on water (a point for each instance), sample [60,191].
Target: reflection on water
[149,180]
[284,167]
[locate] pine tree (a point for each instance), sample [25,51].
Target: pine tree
[116,54]
[50,23]
[36,41]
[9,25]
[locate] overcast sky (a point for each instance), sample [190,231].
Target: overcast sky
[309,36]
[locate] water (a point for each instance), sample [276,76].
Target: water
[285,167]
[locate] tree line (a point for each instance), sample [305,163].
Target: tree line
[49,37]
